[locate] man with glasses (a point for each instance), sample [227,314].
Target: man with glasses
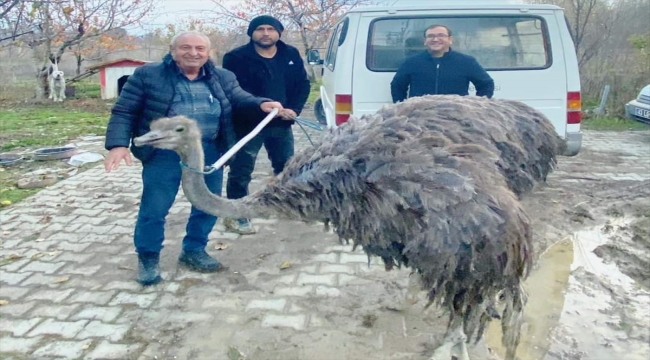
[439,70]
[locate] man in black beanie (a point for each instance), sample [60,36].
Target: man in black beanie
[265,20]
[265,67]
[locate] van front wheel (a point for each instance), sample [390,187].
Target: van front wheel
[319,111]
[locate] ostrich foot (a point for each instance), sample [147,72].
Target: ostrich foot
[411,297]
[414,288]
[455,344]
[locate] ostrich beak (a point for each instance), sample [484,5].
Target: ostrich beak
[149,138]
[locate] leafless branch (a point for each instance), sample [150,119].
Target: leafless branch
[6,6]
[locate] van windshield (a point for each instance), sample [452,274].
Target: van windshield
[497,42]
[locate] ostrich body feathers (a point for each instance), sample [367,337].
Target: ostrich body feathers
[433,184]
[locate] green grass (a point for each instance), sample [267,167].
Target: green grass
[47,125]
[87,90]
[314,94]
[42,125]
[12,194]
[612,124]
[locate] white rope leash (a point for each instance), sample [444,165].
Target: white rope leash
[225,157]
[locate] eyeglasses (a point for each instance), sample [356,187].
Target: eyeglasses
[439,36]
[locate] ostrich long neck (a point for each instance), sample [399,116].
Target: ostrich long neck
[201,197]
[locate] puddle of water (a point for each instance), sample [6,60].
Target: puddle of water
[545,288]
[563,299]
[586,242]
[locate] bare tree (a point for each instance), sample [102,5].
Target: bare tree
[6,6]
[222,38]
[311,19]
[610,39]
[65,24]
[591,22]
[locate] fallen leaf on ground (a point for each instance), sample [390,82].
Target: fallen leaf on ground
[124,267]
[61,280]
[221,246]
[235,354]
[5,203]
[285,265]
[15,257]
[262,256]
[37,256]
[4,302]
[86,346]
[46,219]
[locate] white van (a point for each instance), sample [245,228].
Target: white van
[527,49]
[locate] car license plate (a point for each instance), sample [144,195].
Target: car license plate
[642,113]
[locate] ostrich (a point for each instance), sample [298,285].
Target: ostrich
[430,183]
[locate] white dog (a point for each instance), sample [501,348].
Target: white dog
[57,84]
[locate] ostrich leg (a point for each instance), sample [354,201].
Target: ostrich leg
[513,319]
[454,344]
[414,288]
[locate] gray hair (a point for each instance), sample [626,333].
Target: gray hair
[201,35]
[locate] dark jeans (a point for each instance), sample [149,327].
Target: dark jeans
[161,177]
[278,142]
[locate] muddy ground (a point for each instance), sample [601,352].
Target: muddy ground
[589,293]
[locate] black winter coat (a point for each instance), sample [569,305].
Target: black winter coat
[148,94]
[254,75]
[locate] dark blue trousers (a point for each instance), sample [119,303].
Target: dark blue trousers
[278,142]
[161,178]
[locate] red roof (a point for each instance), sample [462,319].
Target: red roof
[118,63]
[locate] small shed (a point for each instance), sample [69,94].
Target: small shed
[113,75]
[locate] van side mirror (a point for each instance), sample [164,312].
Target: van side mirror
[313,57]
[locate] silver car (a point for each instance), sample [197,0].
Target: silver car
[639,108]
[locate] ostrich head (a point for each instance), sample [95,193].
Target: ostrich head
[182,135]
[177,133]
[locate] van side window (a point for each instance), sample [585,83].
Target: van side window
[337,39]
[497,42]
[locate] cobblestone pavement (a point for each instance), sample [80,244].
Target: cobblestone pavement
[67,269]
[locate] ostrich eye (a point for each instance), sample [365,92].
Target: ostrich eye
[179,129]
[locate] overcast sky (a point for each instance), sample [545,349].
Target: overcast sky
[170,11]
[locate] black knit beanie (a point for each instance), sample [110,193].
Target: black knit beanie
[265,20]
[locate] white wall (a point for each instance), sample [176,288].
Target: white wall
[112,75]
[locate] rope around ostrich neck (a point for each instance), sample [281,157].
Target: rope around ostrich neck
[223,159]
[300,121]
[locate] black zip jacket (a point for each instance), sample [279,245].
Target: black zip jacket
[450,74]
[256,77]
[148,93]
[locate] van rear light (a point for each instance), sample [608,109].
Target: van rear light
[342,108]
[573,107]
